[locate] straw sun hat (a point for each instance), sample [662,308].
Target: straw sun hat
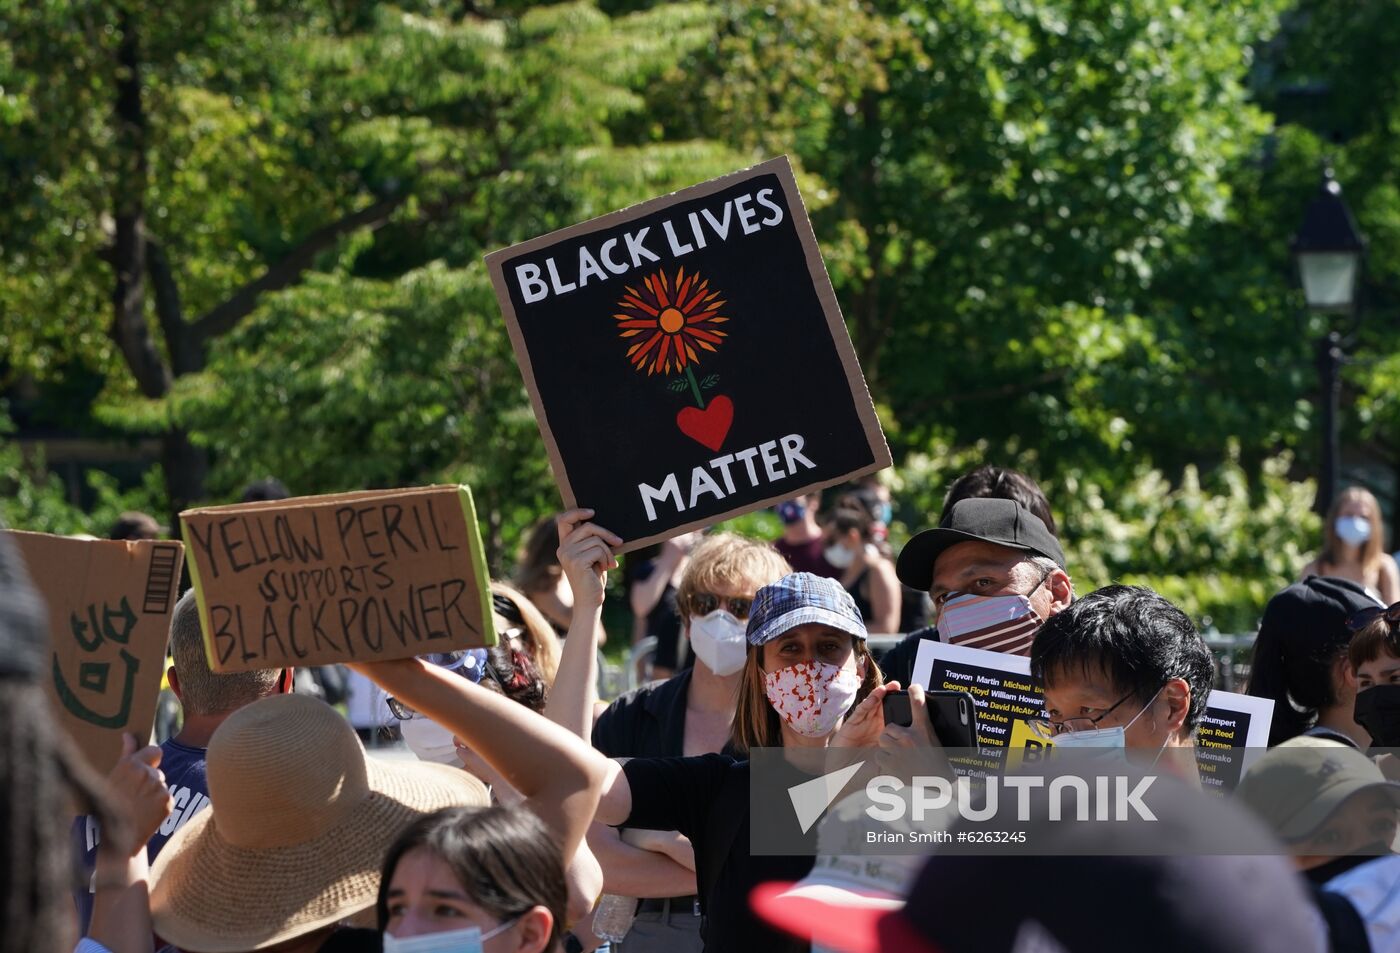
[298,826]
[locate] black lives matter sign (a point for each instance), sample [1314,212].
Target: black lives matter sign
[686,358]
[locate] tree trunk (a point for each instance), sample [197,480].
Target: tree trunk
[184,464]
[185,467]
[129,329]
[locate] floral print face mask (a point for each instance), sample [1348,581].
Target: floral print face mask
[811,697]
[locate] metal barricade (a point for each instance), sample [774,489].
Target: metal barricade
[639,659]
[1231,652]
[881,642]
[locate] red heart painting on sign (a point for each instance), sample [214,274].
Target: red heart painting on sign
[675,322]
[709,426]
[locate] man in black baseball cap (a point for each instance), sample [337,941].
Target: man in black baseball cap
[994,571]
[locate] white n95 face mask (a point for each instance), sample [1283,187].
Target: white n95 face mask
[839,556]
[466,940]
[719,641]
[429,741]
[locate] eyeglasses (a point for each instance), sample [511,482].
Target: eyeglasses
[1363,617]
[703,603]
[471,664]
[1045,728]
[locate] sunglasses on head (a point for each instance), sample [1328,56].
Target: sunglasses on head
[1363,617]
[471,664]
[703,603]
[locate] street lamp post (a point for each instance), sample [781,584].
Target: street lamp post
[1328,249]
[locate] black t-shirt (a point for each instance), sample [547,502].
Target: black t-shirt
[664,620]
[707,798]
[647,722]
[897,665]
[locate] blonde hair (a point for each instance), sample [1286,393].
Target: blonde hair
[1372,551]
[724,561]
[756,724]
[541,643]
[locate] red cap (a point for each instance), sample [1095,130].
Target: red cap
[841,921]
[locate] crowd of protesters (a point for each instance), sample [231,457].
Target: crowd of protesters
[263,824]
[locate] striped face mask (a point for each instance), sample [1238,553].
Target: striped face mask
[997,623]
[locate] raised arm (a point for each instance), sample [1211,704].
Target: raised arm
[557,772]
[585,555]
[121,916]
[646,593]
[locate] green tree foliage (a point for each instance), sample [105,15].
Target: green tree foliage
[32,498]
[178,164]
[1020,190]
[1058,230]
[1331,73]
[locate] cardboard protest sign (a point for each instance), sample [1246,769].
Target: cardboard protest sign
[1007,698]
[109,605]
[348,577]
[686,358]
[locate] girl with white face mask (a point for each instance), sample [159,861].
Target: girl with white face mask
[862,566]
[808,680]
[1353,546]
[511,668]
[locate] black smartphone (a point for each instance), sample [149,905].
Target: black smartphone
[954,716]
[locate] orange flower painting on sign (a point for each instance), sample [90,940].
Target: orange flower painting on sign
[677,321]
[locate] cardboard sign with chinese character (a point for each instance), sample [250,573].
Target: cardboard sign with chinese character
[109,605]
[686,357]
[348,577]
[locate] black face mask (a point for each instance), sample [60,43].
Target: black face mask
[1378,711]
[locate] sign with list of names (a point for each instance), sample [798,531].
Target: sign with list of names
[1232,728]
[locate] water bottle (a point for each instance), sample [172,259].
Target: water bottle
[613,917]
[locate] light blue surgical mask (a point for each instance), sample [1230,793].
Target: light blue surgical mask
[465,940]
[1115,737]
[1353,530]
